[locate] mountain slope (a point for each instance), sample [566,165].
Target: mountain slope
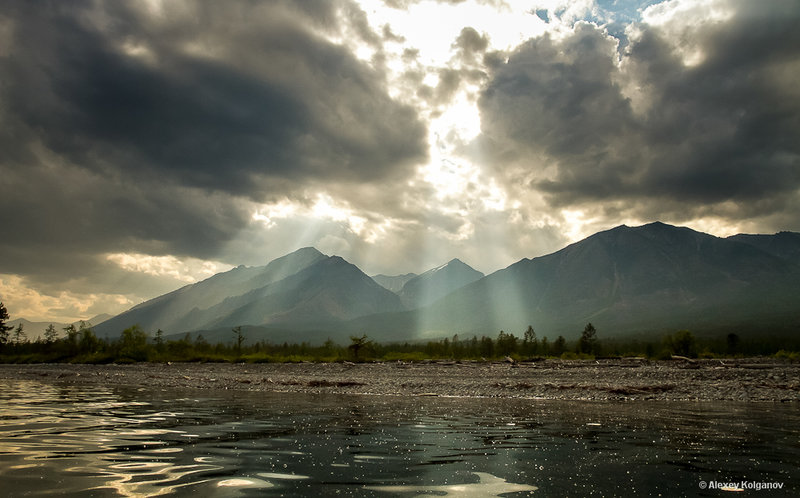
[653,277]
[35,330]
[304,287]
[648,279]
[393,283]
[785,245]
[436,283]
[330,290]
[172,311]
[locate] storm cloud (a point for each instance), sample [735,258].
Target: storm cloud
[693,116]
[145,145]
[124,125]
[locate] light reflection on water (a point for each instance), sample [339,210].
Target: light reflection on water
[62,440]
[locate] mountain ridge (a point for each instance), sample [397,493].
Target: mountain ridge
[624,280]
[437,282]
[614,271]
[35,329]
[302,286]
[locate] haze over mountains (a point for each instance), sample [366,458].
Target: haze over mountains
[394,283]
[626,280]
[646,279]
[436,283]
[35,330]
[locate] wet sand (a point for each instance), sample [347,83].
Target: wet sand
[753,379]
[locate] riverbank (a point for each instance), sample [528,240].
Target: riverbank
[755,379]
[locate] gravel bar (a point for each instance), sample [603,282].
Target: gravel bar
[751,379]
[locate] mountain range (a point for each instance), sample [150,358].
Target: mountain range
[647,279]
[35,330]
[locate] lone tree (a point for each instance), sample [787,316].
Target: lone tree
[20,337]
[587,344]
[159,341]
[357,344]
[133,343]
[682,343]
[4,329]
[72,338]
[50,334]
[530,345]
[560,346]
[239,338]
[506,343]
[732,343]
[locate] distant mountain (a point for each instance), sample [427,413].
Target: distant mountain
[176,311]
[96,320]
[655,277]
[648,279]
[393,283]
[35,330]
[436,283]
[330,290]
[302,288]
[785,245]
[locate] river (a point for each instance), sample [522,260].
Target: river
[58,440]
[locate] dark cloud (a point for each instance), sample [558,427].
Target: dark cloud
[280,102]
[391,36]
[558,96]
[469,50]
[588,125]
[470,45]
[128,130]
[60,221]
[449,83]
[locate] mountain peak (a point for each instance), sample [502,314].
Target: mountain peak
[652,227]
[785,245]
[308,251]
[649,277]
[454,263]
[657,224]
[438,282]
[393,283]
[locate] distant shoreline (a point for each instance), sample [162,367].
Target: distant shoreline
[759,379]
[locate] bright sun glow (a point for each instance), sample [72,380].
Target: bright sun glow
[461,117]
[477,189]
[325,207]
[432,27]
[64,306]
[185,270]
[268,214]
[575,223]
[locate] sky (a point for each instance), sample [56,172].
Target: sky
[145,145]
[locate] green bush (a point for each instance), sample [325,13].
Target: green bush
[788,355]
[664,354]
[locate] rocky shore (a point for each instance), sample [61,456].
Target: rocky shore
[753,379]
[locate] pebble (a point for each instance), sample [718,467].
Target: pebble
[548,379]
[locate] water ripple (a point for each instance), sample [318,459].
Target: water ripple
[117,442]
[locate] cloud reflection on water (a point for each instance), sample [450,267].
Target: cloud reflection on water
[123,442]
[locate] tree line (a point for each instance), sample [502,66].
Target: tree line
[80,344]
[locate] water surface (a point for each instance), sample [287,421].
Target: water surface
[78,440]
